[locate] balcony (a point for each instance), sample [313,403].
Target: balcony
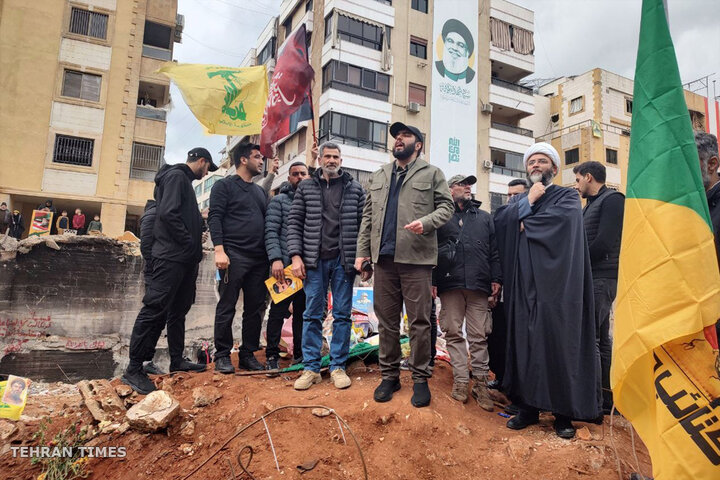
[511,101]
[510,138]
[151,113]
[157,53]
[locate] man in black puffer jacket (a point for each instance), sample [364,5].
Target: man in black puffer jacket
[322,237]
[468,272]
[276,226]
[176,253]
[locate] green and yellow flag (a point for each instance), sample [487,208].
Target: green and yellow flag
[664,376]
[225,100]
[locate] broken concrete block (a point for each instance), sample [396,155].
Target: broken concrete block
[123,390]
[101,399]
[203,396]
[154,412]
[584,434]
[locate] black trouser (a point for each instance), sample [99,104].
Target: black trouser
[433,332]
[604,292]
[276,319]
[497,342]
[168,297]
[248,275]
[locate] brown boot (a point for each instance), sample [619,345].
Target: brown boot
[482,396]
[460,391]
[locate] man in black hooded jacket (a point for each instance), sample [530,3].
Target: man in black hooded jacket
[176,253]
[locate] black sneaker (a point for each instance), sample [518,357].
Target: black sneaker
[151,369]
[250,363]
[272,363]
[139,381]
[185,365]
[421,395]
[384,392]
[224,365]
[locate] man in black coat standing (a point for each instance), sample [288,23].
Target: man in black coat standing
[237,229]
[468,272]
[603,219]
[176,253]
[552,362]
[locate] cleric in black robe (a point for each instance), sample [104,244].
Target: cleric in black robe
[552,362]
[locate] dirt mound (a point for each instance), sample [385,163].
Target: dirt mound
[445,441]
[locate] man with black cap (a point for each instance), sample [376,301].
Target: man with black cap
[407,201]
[237,229]
[176,253]
[458,46]
[468,272]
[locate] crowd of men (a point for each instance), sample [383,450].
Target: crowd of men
[526,294]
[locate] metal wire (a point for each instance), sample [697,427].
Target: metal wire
[272,447]
[243,429]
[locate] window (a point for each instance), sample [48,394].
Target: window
[419,5]
[198,189]
[577,105]
[288,27]
[352,79]
[572,156]
[355,31]
[507,163]
[146,161]
[157,35]
[267,52]
[73,150]
[418,47]
[210,182]
[91,24]
[81,85]
[309,5]
[611,156]
[352,130]
[362,177]
[416,93]
[628,105]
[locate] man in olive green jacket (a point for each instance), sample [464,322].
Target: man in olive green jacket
[407,201]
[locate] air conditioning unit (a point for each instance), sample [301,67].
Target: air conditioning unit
[488,164]
[486,108]
[413,107]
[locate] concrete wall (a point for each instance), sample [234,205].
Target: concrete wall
[83,298]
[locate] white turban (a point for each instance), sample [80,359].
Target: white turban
[545,149]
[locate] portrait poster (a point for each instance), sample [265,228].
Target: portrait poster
[454,104]
[41,223]
[279,291]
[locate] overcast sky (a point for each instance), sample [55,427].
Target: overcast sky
[571,37]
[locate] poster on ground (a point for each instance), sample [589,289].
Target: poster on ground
[453,125]
[13,395]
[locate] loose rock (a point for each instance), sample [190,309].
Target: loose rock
[320,412]
[520,449]
[154,412]
[204,396]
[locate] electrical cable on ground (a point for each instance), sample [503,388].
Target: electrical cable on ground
[262,419]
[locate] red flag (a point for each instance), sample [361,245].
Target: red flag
[289,88]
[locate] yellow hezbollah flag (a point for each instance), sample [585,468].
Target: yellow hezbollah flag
[664,376]
[225,100]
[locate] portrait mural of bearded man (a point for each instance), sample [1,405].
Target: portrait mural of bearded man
[458,47]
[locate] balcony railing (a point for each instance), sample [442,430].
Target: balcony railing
[150,113]
[157,53]
[512,129]
[510,172]
[511,86]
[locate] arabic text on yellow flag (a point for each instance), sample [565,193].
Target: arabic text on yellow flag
[225,100]
[664,376]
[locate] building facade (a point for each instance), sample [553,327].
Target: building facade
[373,66]
[81,110]
[588,117]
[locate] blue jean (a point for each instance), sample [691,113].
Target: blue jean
[328,273]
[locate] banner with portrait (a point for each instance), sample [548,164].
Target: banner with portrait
[453,125]
[41,223]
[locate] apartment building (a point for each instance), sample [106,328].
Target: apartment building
[374,61]
[81,110]
[588,117]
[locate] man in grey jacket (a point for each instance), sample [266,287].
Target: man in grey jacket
[408,200]
[276,228]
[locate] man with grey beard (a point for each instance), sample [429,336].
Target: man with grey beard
[552,362]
